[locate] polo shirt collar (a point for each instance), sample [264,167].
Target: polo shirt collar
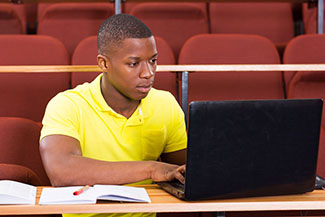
[145,107]
[97,95]
[101,104]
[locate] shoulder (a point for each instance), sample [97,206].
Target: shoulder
[62,114]
[159,101]
[72,95]
[160,96]
[68,103]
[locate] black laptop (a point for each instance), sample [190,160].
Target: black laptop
[250,148]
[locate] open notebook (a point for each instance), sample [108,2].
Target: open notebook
[65,195]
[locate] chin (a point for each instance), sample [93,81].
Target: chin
[141,96]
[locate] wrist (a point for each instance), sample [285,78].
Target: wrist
[151,169]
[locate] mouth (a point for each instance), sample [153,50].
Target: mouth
[144,88]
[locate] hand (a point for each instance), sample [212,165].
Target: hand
[167,172]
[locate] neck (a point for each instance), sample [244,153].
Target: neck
[118,102]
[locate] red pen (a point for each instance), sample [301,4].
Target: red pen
[81,190]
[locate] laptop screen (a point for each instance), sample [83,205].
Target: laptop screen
[252,148]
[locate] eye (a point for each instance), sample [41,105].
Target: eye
[153,61]
[133,64]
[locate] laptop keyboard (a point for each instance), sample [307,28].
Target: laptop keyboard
[177,184]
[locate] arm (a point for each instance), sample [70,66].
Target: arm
[177,157]
[177,135]
[65,165]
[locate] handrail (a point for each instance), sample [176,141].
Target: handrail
[169,68]
[49,68]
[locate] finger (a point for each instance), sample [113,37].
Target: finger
[179,176]
[182,169]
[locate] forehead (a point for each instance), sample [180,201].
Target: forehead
[138,47]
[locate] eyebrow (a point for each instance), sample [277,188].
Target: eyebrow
[155,55]
[138,58]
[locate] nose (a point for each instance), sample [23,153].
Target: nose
[147,71]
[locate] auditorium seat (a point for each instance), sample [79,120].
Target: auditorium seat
[20,145]
[272,20]
[166,80]
[27,94]
[86,54]
[308,49]
[231,49]
[174,22]
[72,22]
[12,19]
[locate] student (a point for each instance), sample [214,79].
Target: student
[115,129]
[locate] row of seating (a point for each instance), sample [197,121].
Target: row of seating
[26,94]
[175,22]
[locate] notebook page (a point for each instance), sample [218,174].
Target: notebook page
[13,192]
[121,193]
[64,195]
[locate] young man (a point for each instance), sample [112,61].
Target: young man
[114,129]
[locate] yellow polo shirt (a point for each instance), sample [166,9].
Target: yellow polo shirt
[157,126]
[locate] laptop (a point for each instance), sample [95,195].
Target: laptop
[250,148]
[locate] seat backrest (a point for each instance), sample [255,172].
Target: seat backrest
[308,49]
[166,80]
[41,7]
[19,144]
[269,19]
[311,85]
[27,94]
[174,22]
[231,49]
[12,19]
[72,22]
[86,54]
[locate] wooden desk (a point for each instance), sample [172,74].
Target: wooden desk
[163,202]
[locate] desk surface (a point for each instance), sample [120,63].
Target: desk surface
[163,202]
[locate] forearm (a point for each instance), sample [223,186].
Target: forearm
[78,170]
[65,165]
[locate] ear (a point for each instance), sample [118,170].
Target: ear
[103,62]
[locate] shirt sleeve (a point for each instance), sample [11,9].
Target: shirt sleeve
[176,131]
[61,118]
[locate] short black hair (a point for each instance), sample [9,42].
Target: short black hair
[119,27]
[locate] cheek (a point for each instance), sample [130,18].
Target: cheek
[125,75]
[129,76]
